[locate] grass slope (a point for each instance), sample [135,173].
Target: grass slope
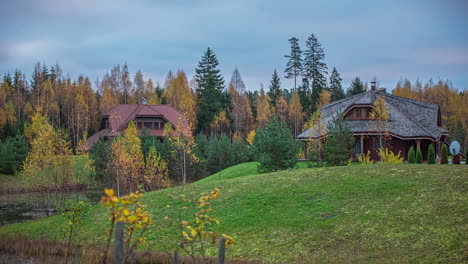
[356,214]
[240,170]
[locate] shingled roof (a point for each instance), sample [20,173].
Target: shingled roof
[409,119]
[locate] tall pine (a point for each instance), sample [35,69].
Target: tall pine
[314,68]
[357,87]
[212,98]
[275,91]
[294,65]
[336,90]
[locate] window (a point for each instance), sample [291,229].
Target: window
[359,113]
[107,123]
[139,124]
[156,125]
[148,125]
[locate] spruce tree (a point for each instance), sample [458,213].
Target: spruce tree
[357,87]
[336,90]
[430,155]
[274,147]
[340,142]
[305,97]
[314,68]
[275,91]
[212,98]
[444,155]
[294,65]
[419,158]
[411,155]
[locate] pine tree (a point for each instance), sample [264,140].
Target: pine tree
[411,155]
[274,147]
[419,158]
[430,155]
[275,91]
[356,87]
[314,68]
[211,96]
[305,97]
[337,92]
[294,65]
[340,142]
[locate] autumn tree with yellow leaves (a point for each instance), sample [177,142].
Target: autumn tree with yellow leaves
[48,167]
[379,117]
[296,115]
[183,147]
[263,109]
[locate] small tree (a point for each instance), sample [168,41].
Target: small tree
[444,155]
[379,118]
[411,155]
[430,155]
[419,158]
[316,129]
[275,148]
[156,174]
[340,143]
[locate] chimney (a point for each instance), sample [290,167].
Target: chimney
[373,85]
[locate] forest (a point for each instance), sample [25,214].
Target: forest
[222,115]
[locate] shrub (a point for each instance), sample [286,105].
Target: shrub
[466,157]
[430,155]
[387,156]
[275,148]
[365,158]
[419,158]
[340,143]
[411,155]
[444,155]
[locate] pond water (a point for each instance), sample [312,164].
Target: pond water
[16,208]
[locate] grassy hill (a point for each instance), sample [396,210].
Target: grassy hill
[355,214]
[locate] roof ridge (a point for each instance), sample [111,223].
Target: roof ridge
[344,99]
[129,117]
[151,106]
[414,101]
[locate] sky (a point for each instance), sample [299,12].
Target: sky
[389,40]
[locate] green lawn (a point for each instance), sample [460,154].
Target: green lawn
[240,170]
[356,214]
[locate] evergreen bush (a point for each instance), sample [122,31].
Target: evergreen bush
[430,155]
[275,147]
[340,143]
[444,155]
[411,155]
[419,158]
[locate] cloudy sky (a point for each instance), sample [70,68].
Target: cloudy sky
[386,39]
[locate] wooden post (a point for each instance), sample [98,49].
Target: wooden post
[176,257]
[222,250]
[307,150]
[119,243]
[418,144]
[362,144]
